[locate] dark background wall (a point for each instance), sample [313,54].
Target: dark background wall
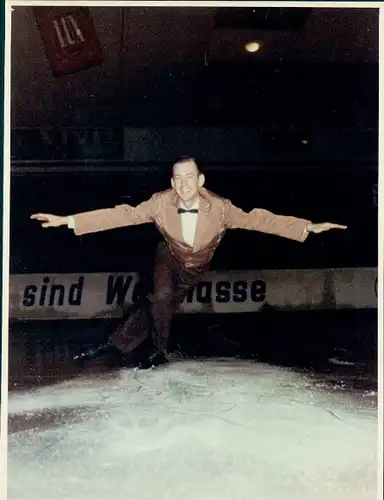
[169,65]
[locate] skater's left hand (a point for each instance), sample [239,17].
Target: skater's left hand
[323,226]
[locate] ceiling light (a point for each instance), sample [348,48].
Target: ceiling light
[252,46]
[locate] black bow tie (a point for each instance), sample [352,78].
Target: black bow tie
[184,211]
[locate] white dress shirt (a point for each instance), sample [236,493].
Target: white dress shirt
[188,223]
[71,222]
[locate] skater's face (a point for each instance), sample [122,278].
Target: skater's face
[187,180]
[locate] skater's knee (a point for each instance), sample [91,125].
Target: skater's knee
[164,294]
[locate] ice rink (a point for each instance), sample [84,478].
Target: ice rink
[216,429]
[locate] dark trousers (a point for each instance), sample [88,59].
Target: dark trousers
[151,319]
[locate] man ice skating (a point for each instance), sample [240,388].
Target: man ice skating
[192,221]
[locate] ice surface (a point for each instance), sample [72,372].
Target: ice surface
[209,430]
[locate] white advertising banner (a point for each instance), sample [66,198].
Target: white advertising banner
[103,295]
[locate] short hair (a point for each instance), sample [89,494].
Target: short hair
[186,159]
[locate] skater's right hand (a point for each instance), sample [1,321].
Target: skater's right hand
[49,220]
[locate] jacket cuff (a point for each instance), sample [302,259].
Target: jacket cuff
[305,233]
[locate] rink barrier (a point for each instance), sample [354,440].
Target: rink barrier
[108,295]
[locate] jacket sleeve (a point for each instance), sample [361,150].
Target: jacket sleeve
[112,218]
[266,222]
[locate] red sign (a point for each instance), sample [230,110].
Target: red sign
[69,38]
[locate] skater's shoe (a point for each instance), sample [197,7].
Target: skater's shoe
[155,359]
[95,352]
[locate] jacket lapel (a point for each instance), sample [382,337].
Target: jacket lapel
[203,222]
[174,220]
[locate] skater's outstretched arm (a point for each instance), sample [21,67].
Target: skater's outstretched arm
[103,220]
[268,222]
